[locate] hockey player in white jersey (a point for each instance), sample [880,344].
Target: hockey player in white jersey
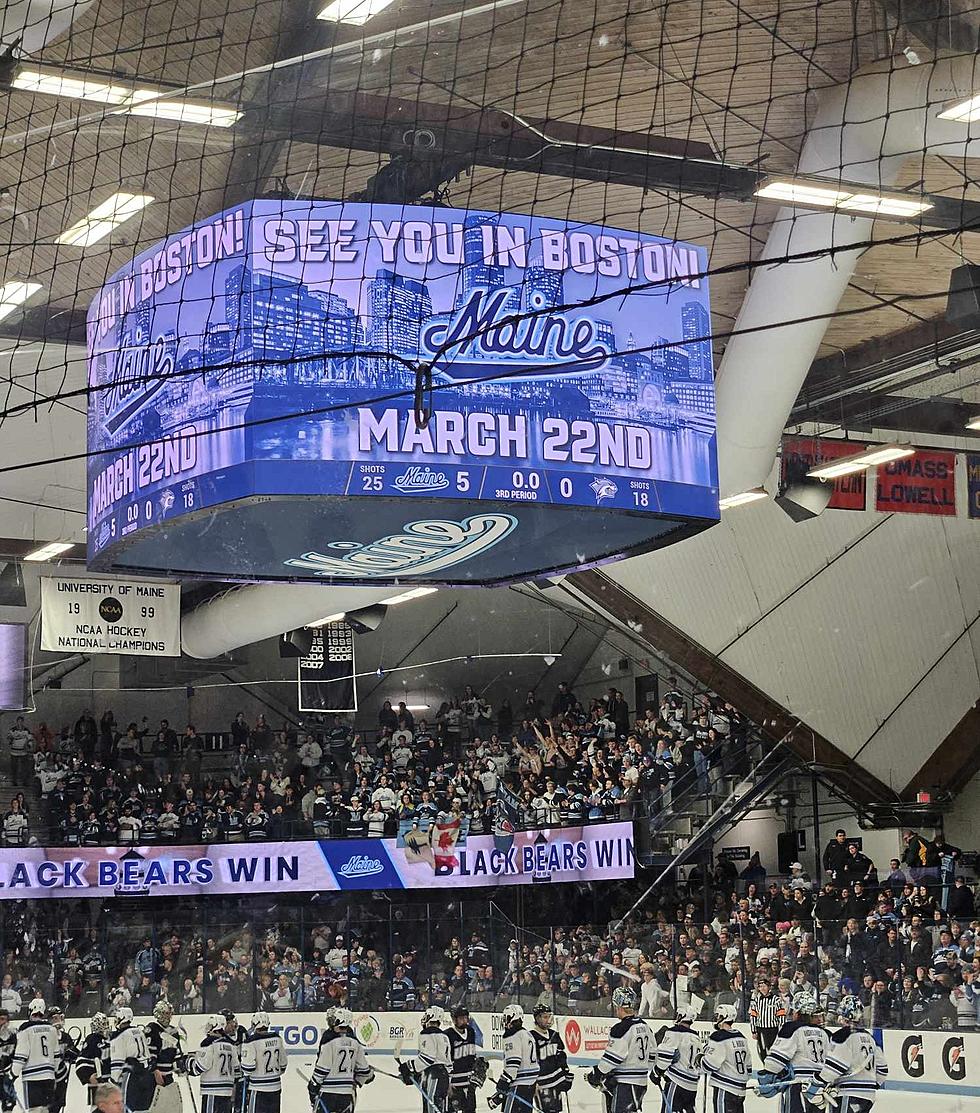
[517,1082]
[341,1066]
[855,1067]
[796,1056]
[625,1064]
[67,1054]
[727,1064]
[431,1067]
[214,1064]
[36,1058]
[263,1065]
[554,1077]
[678,1063]
[129,1061]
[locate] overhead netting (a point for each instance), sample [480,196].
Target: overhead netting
[126,122]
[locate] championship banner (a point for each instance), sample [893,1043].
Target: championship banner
[326,676]
[973,484]
[921,484]
[141,618]
[601,852]
[800,454]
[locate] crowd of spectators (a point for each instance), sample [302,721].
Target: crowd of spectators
[904,942]
[97,782]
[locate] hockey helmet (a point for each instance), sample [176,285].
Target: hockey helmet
[124,1015]
[163,1012]
[214,1024]
[624,998]
[260,1020]
[99,1024]
[433,1015]
[56,1015]
[37,1007]
[339,1017]
[512,1014]
[725,1014]
[805,1003]
[686,1014]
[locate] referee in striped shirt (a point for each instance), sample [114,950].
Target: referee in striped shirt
[767,1012]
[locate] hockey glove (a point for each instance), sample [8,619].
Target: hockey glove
[496,1099]
[565,1082]
[481,1068]
[314,1091]
[656,1077]
[768,1086]
[595,1079]
[407,1074]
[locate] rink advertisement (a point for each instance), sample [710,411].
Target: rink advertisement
[372,393]
[110,616]
[443,856]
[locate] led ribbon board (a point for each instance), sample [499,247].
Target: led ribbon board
[252,411]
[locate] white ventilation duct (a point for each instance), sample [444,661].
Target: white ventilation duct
[250,614]
[864,132]
[38,22]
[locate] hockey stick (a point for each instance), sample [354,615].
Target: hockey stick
[516,1097]
[396,1051]
[320,1104]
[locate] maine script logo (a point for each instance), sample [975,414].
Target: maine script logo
[140,375]
[487,329]
[421,479]
[422,548]
[360,865]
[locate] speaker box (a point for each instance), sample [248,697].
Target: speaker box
[806,499]
[963,301]
[296,643]
[787,849]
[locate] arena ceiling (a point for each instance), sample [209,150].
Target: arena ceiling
[743,77]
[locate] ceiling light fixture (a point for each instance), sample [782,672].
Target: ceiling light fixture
[104,218]
[877,454]
[973,423]
[14,294]
[51,550]
[186,112]
[415,593]
[741,499]
[963,112]
[135,100]
[352,11]
[416,707]
[849,200]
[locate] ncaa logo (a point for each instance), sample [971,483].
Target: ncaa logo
[954,1058]
[573,1036]
[913,1059]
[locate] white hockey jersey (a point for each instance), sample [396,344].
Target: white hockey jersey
[679,1056]
[215,1065]
[264,1061]
[520,1059]
[341,1064]
[798,1045]
[727,1061]
[856,1065]
[434,1051]
[627,1055]
[129,1050]
[38,1052]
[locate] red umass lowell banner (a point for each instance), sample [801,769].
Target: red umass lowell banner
[802,453]
[921,484]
